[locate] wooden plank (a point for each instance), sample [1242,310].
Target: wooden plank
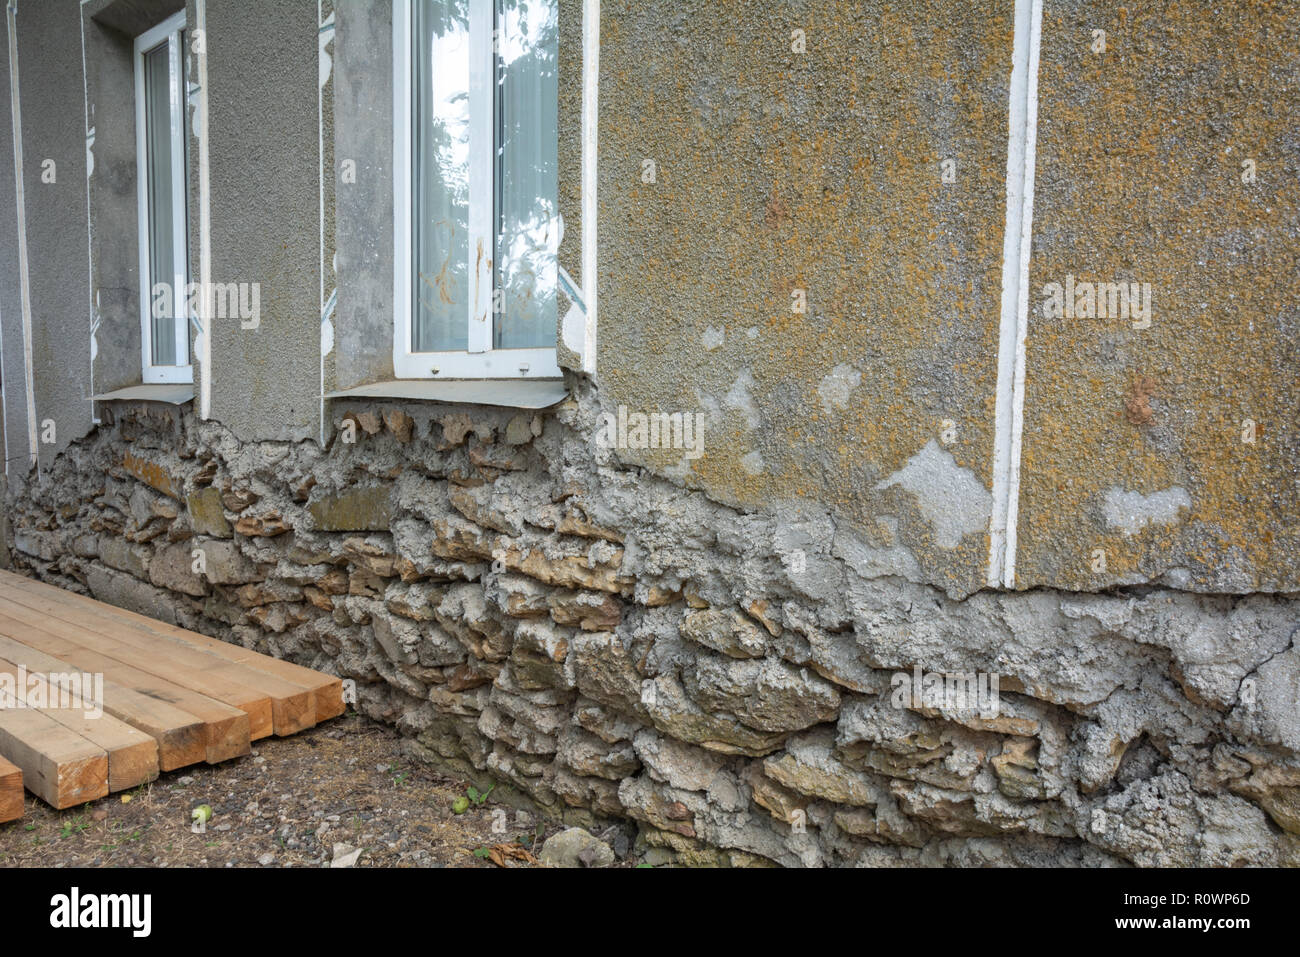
[272,703]
[59,766]
[225,728]
[11,791]
[170,663]
[180,735]
[327,689]
[132,754]
[236,653]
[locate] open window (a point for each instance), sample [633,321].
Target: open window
[476,221]
[161,177]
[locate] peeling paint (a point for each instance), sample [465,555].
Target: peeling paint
[1133,511]
[838,385]
[952,498]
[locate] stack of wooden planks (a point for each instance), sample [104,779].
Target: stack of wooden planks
[170,697]
[11,791]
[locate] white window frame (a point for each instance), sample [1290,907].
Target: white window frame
[169,32]
[481,360]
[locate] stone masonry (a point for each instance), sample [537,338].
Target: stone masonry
[608,646]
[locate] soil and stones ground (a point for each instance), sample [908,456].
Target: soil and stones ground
[288,803]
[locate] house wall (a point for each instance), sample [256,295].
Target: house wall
[718,649]
[49,112]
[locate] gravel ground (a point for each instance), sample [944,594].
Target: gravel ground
[287,804]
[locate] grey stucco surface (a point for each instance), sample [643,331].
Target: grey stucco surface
[363,133]
[264,159]
[53,128]
[115,267]
[12,371]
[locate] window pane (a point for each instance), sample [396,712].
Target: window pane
[441,180]
[526,208]
[158,161]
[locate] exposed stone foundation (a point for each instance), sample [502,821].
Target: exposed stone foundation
[607,645]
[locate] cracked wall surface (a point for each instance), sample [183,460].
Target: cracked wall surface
[798,270]
[607,644]
[800,215]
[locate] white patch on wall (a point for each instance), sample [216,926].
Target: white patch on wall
[1133,511]
[951,498]
[753,463]
[838,386]
[714,336]
[740,399]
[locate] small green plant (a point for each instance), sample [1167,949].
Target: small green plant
[74,826]
[478,798]
[483,853]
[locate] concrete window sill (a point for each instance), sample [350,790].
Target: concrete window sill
[510,393]
[171,394]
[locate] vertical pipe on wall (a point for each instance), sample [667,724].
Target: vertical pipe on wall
[590,114]
[90,251]
[205,217]
[1009,409]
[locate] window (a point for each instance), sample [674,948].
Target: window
[476,219]
[161,176]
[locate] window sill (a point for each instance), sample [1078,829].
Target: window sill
[510,393]
[172,394]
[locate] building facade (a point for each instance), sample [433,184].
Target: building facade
[859,433]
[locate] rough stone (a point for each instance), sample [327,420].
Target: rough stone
[574,847]
[353,510]
[207,514]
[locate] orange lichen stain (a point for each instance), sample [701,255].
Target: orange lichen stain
[1137,406]
[151,473]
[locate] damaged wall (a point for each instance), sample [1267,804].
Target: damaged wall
[856,154]
[605,644]
[1168,441]
[713,646]
[800,272]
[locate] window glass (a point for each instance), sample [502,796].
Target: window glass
[441,157]
[158,105]
[526,215]
[514,198]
